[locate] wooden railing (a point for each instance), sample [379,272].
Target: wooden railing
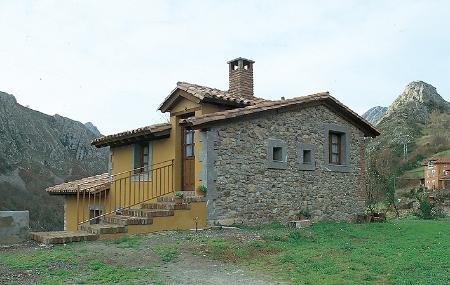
[123,190]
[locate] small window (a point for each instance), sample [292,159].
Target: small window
[306,156]
[278,154]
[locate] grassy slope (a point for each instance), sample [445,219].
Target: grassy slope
[407,251]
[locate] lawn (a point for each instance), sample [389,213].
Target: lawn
[406,251]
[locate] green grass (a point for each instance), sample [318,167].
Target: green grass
[73,264]
[415,173]
[443,153]
[408,251]
[128,241]
[167,253]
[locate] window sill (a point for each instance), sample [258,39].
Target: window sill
[338,167]
[277,165]
[307,166]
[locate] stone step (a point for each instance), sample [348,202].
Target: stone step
[166,206]
[127,220]
[188,199]
[100,229]
[148,213]
[62,237]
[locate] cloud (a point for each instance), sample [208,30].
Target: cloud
[113,62]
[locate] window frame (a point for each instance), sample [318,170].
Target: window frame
[302,147]
[276,164]
[345,141]
[144,173]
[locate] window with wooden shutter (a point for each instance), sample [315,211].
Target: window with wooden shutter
[335,148]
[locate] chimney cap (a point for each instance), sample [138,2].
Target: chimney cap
[241,58]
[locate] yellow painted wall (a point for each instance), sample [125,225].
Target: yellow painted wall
[71,212]
[130,193]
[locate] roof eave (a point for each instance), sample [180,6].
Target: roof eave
[363,125]
[132,138]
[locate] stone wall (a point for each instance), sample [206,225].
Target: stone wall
[14,226]
[243,188]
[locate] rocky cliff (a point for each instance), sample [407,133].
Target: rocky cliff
[38,150]
[375,114]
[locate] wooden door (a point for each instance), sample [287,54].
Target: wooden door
[188,179]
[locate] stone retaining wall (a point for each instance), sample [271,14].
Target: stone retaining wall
[14,226]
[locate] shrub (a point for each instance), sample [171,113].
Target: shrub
[202,189]
[427,209]
[304,213]
[179,194]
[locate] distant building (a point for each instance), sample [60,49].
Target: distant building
[437,173]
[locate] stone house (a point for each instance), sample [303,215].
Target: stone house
[260,161]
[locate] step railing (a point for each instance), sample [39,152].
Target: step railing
[98,198]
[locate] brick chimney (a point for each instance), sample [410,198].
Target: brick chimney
[241,77]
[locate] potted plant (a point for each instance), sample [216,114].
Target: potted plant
[303,214]
[202,190]
[179,197]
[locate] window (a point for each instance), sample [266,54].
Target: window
[141,157]
[335,148]
[189,143]
[306,156]
[306,159]
[276,154]
[337,142]
[430,164]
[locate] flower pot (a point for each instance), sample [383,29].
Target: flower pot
[178,200]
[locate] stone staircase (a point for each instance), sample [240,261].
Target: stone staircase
[118,223]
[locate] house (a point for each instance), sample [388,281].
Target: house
[260,160]
[437,172]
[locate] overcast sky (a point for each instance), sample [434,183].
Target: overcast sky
[113,62]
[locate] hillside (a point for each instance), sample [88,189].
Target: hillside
[37,151]
[415,126]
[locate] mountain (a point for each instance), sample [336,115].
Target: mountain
[37,151]
[93,129]
[414,126]
[374,115]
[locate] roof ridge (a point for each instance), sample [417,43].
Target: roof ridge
[325,97]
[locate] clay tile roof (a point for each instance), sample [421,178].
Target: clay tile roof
[324,98]
[208,94]
[441,159]
[88,184]
[148,132]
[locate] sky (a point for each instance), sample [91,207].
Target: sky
[113,62]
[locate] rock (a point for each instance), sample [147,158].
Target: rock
[375,114]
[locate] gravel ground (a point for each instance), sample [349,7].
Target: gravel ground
[185,268]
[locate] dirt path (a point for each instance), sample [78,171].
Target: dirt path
[170,258]
[190,269]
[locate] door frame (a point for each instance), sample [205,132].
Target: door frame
[183,155]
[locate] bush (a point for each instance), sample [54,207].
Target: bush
[427,209]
